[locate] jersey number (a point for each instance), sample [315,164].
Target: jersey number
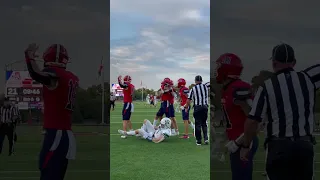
[226,118]
[73,85]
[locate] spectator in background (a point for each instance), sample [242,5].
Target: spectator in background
[113,98]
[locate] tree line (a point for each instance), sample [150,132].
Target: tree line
[88,102]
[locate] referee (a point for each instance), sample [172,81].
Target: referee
[17,119]
[199,95]
[8,119]
[112,100]
[286,101]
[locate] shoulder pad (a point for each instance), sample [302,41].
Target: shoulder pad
[242,93]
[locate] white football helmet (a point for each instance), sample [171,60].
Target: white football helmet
[165,123]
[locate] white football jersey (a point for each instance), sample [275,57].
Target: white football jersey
[165,132]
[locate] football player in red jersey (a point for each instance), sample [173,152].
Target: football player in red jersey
[128,90]
[183,93]
[160,112]
[59,94]
[236,100]
[174,125]
[166,106]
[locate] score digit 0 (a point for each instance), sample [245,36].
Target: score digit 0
[31,91]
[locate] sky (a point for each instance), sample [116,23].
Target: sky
[152,40]
[252,28]
[80,25]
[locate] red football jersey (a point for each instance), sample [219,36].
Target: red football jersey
[167,96]
[59,103]
[233,114]
[151,97]
[127,93]
[183,92]
[171,101]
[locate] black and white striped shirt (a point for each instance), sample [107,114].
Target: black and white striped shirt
[16,111]
[7,114]
[112,97]
[207,84]
[287,102]
[199,95]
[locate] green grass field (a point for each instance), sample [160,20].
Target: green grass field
[131,158]
[221,171]
[137,159]
[91,155]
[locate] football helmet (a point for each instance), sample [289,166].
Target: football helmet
[228,66]
[171,83]
[56,55]
[165,123]
[167,81]
[127,78]
[181,82]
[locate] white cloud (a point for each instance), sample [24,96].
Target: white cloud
[160,50]
[173,12]
[120,52]
[155,56]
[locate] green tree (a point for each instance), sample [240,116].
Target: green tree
[138,93]
[191,86]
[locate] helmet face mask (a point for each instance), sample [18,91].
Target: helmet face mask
[56,55]
[165,123]
[216,75]
[127,79]
[181,82]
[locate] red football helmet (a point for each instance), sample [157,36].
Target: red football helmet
[181,82]
[56,55]
[166,81]
[127,78]
[228,66]
[171,83]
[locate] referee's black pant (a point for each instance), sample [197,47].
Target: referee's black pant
[7,129]
[200,115]
[112,105]
[289,159]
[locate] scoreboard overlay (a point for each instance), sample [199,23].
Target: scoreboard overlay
[21,89]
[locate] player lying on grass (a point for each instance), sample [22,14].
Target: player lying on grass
[151,133]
